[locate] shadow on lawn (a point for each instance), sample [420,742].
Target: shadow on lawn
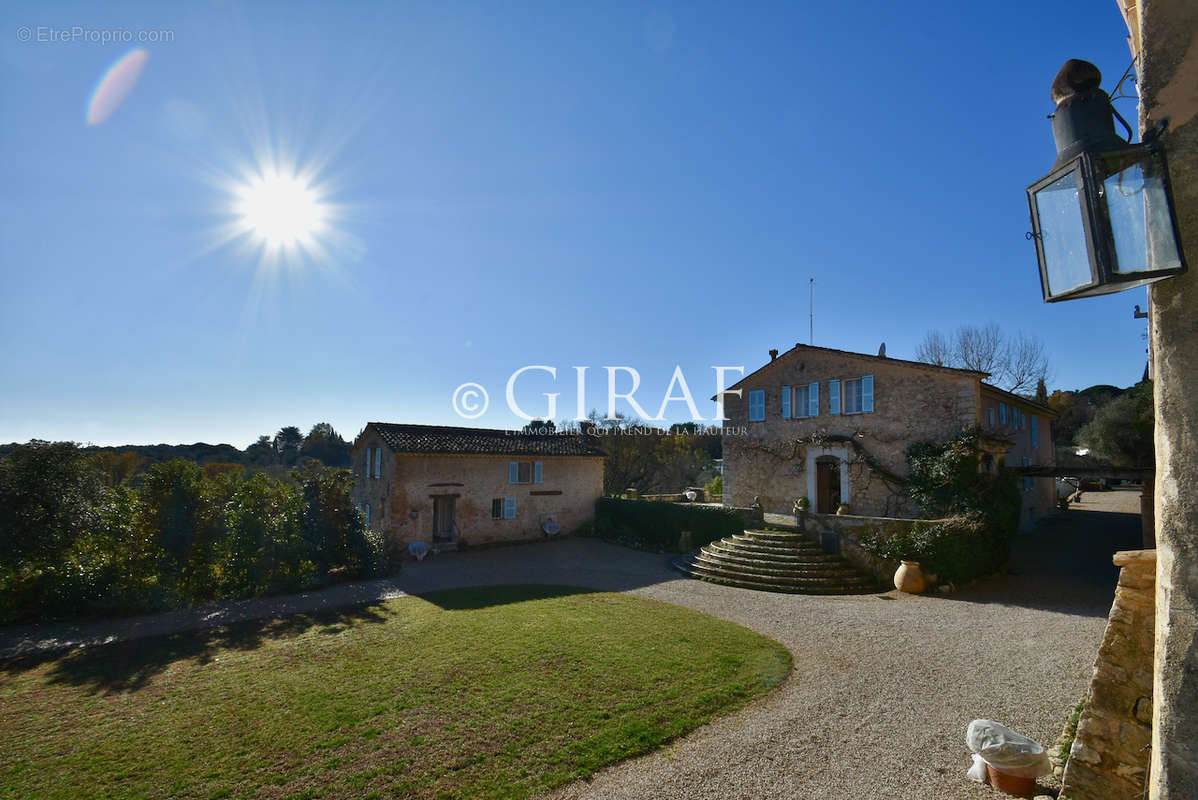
[129,666]
[475,597]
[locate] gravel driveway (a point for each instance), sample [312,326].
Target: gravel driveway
[883,685]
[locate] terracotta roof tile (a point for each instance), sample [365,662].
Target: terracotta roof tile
[482,441]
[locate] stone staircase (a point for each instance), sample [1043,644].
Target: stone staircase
[775,561]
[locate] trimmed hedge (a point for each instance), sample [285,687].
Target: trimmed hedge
[957,550]
[657,526]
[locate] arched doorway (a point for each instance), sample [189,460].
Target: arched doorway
[827,484]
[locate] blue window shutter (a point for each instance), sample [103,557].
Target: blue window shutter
[513,472]
[1035,431]
[867,394]
[757,405]
[785,402]
[813,400]
[509,508]
[537,472]
[368,514]
[369,460]
[833,397]
[378,462]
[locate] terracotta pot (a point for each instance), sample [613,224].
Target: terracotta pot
[908,578]
[1011,784]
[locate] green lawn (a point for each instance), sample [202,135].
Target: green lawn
[490,692]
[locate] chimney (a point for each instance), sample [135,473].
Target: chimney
[773,354]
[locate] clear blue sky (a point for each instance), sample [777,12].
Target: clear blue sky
[511,184]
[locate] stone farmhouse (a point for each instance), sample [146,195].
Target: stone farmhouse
[834,426]
[456,486]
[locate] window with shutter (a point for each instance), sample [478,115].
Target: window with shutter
[1035,431]
[801,396]
[785,402]
[513,472]
[757,405]
[509,508]
[497,508]
[813,400]
[537,472]
[990,414]
[369,460]
[867,394]
[852,396]
[833,397]
[378,462]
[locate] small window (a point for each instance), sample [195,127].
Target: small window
[859,395]
[757,405]
[806,401]
[497,508]
[525,472]
[509,508]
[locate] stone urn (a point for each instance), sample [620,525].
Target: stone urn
[909,578]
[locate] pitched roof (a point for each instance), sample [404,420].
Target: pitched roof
[1019,398]
[884,359]
[481,441]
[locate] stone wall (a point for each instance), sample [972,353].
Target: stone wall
[402,497]
[768,460]
[1110,754]
[849,530]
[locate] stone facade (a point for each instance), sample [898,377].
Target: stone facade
[1110,752]
[778,459]
[1026,425]
[411,487]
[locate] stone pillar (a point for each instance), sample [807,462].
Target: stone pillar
[1167,33]
[1109,757]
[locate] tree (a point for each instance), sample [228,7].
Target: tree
[540,426]
[50,496]
[287,444]
[116,468]
[1121,431]
[1016,363]
[261,452]
[326,446]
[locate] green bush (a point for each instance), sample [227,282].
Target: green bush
[656,526]
[716,486]
[957,549]
[74,544]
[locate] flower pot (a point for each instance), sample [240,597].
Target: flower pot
[909,578]
[1011,784]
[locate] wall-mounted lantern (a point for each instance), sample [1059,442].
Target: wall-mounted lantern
[1102,219]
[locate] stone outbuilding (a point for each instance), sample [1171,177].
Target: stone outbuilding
[834,426]
[452,486]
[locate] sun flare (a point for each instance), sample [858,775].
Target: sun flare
[280,209]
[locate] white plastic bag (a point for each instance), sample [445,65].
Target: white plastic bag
[1005,750]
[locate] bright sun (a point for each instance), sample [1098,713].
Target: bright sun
[280,209]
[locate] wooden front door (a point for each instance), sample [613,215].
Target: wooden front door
[827,486]
[443,522]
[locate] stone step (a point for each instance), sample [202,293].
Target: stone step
[744,583]
[778,562]
[774,577]
[833,566]
[815,556]
[759,547]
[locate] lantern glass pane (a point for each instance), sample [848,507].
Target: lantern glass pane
[1062,234]
[1138,209]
